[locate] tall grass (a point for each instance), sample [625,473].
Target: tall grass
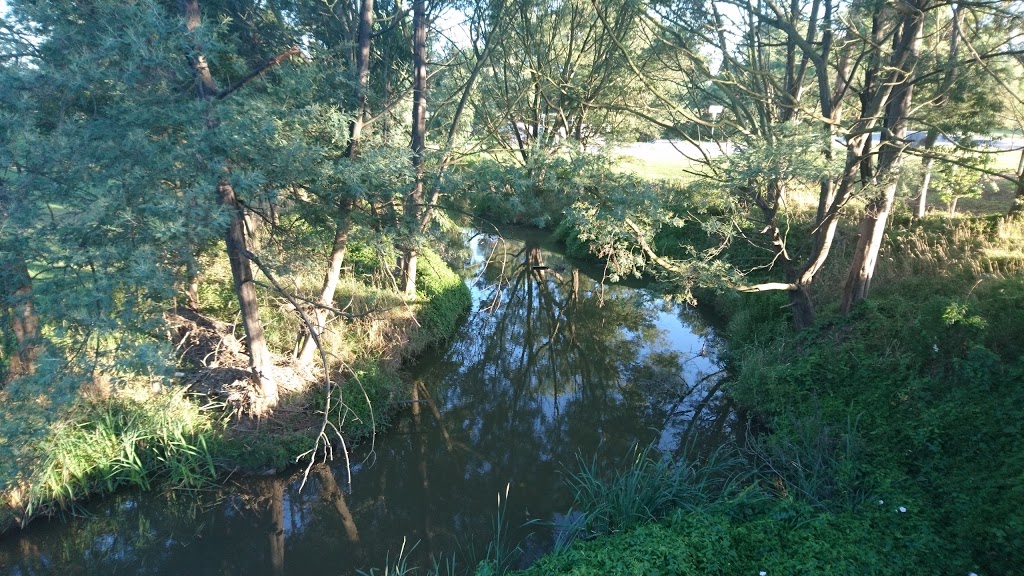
[809,460]
[123,442]
[502,553]
[648,487]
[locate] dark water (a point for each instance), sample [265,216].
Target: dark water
[549,364]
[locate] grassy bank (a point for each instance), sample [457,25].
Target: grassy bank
[57,449]
[892,439]
[893,434]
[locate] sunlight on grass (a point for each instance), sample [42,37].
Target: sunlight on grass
[655,162]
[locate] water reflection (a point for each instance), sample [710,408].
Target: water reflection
[550,363]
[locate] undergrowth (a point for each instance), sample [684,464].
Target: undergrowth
[56,451]
[892,436]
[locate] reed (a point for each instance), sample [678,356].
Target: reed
[397,567]
[649,487]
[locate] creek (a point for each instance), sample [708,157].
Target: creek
[550,365]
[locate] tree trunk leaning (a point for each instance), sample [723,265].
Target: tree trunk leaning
[320,316]
[876,213]
[322,313]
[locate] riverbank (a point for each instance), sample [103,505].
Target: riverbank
[893,440]
[191,430]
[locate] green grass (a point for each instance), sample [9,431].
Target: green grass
[913,402]
[59,443]
[664,165]
[446,297]
[107,445]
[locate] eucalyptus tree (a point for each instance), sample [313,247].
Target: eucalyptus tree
[768,66]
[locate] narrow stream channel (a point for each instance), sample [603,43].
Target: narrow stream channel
[549,365]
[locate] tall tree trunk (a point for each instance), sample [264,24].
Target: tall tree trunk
[23,319]
[344,224]
[241,270]
[876,213]
[245,289]
[330,285]
[363,77]
[1017,209]
[926,165]
[870,235]
[414,200]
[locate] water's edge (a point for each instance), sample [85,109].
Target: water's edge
[549,365]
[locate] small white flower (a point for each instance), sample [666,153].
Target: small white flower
[972,574]
[935,348]
[880,502]
[902,509]
[763,573]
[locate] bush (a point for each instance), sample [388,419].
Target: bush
[776,538]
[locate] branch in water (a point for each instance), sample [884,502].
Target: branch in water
[767,287]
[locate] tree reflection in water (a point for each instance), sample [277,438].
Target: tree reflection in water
[550,364]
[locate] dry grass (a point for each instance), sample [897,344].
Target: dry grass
[960,250]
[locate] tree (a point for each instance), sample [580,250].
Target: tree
[415,212]
[964,178]
[798,82]
[132,157]
[241,270]
[101,207]
[558,75]
[898,81]
[344,220]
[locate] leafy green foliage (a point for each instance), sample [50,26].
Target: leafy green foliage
[658,517]
[933,400]
[448,297]
[961,178]
[537,193]
[736,538]
[910,403]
